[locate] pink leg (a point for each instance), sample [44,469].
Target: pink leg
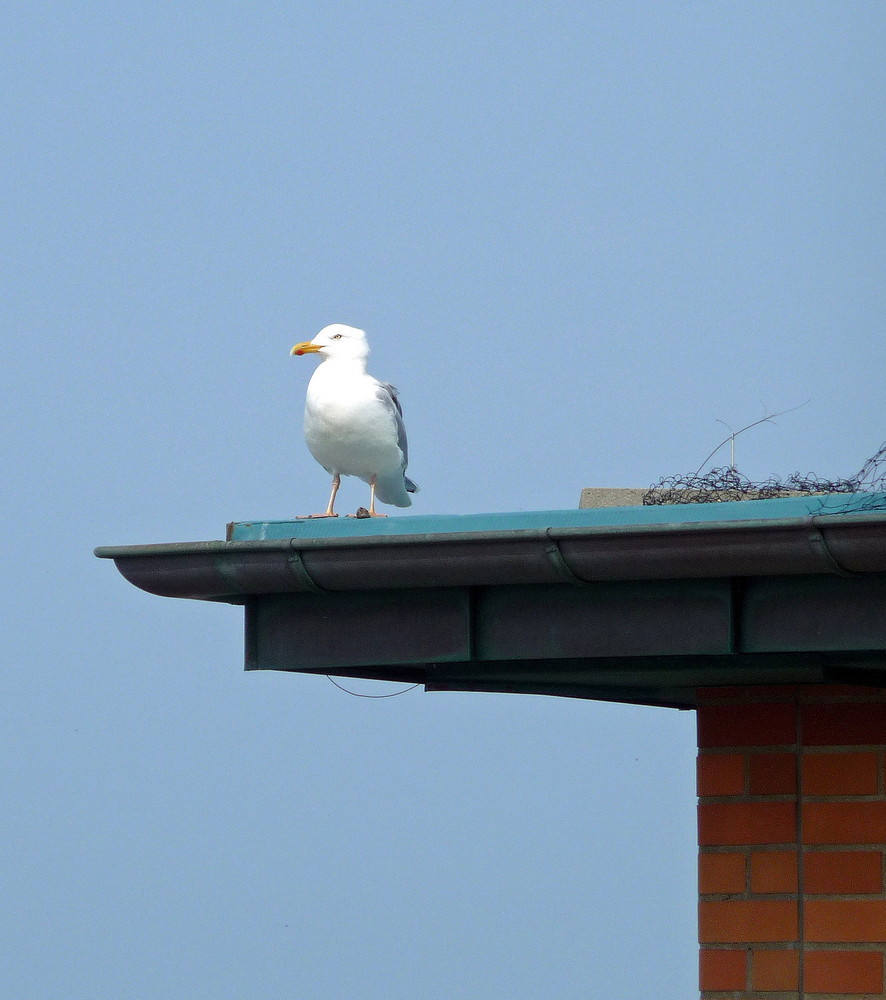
[372,511]
[336,482]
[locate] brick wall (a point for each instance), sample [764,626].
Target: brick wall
[792,834]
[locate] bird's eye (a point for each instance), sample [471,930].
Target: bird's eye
[336,336]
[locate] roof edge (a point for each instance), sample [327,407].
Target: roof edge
[843,544]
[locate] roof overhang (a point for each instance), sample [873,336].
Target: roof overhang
[623,604]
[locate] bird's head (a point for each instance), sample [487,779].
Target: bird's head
[336,341]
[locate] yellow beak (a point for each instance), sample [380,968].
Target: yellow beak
[306,348]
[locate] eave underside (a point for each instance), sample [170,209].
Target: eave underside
[644,642]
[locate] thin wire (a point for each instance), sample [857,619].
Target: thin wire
[356,694]
[767,418]
[727,483]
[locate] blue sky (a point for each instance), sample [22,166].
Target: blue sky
[578,235]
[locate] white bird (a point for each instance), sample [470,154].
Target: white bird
[353,422]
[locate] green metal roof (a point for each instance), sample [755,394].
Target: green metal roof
[637,604]
[435,524]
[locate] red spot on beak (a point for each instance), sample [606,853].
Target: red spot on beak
[299,353]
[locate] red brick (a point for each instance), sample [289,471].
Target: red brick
[849,920]
[774,871]
[747,725]
[747,920]
[720,774]
[724,873]
[827,692]
[844,724]
[840,773]
[721,969]
[843,972]
[773,774]
[748,693]
[844,822]
[728,823]
[849,872]
[774,692]
[772,971]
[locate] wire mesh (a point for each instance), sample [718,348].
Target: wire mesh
[726,483]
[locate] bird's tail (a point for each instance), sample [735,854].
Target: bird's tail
[395,490]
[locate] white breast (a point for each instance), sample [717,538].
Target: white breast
[348,429]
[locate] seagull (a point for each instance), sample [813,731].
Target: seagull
[353,422]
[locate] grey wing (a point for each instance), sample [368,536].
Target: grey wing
[387,394]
